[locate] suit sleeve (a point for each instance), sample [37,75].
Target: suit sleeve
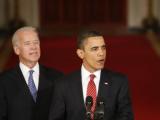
[57,109]
[124,103]
[3,103]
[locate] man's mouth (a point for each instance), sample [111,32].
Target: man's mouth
[101,61]
[33,53]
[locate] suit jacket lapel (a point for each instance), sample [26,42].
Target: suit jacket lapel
[22,83]
[43,82]
[104,85]
[78,89]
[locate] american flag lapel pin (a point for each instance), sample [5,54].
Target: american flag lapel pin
[106,83]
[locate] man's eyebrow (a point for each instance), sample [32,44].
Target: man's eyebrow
[26,41]
[33,40]
[94,47]
[103,45]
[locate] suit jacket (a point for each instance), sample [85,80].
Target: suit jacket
[68,102]
[16,102]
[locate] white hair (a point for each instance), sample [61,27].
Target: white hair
[15,37]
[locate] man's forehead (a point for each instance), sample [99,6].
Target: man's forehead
[95,41]
[95,38]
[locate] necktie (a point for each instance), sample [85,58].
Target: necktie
[91,91]
[31,85]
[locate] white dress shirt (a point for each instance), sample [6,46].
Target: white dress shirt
[86,78]
[25,71]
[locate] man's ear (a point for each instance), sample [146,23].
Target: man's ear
[16,50]
[80,53]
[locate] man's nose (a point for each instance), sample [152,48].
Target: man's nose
[101,52]
[33,46]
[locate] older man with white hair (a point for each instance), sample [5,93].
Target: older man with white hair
[25,91]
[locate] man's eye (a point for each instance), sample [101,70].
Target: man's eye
[103,47]
[94,48]
[26,43]
[36,43]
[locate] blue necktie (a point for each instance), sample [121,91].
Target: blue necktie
[32,86]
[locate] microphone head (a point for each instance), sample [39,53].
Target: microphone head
[89,101]
[99,112]
[100,101]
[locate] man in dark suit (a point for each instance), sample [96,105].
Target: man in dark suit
[25,91]
[111,88]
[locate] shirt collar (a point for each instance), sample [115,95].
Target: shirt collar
[25,69]
[86,73]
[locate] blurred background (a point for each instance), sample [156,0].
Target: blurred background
[131,29]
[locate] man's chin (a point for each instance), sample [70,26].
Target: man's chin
[34,60]
[101,67]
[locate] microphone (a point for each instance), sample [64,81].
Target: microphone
[89,103]
[99,112]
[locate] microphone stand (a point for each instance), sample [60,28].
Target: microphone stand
[99,112]
[88,115]
[89,103]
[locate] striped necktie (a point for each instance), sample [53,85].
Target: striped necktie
[91,91]
[32,86]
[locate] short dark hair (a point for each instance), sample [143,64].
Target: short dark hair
[83,35]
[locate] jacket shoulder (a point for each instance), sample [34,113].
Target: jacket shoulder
[114,76]
[50,71]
